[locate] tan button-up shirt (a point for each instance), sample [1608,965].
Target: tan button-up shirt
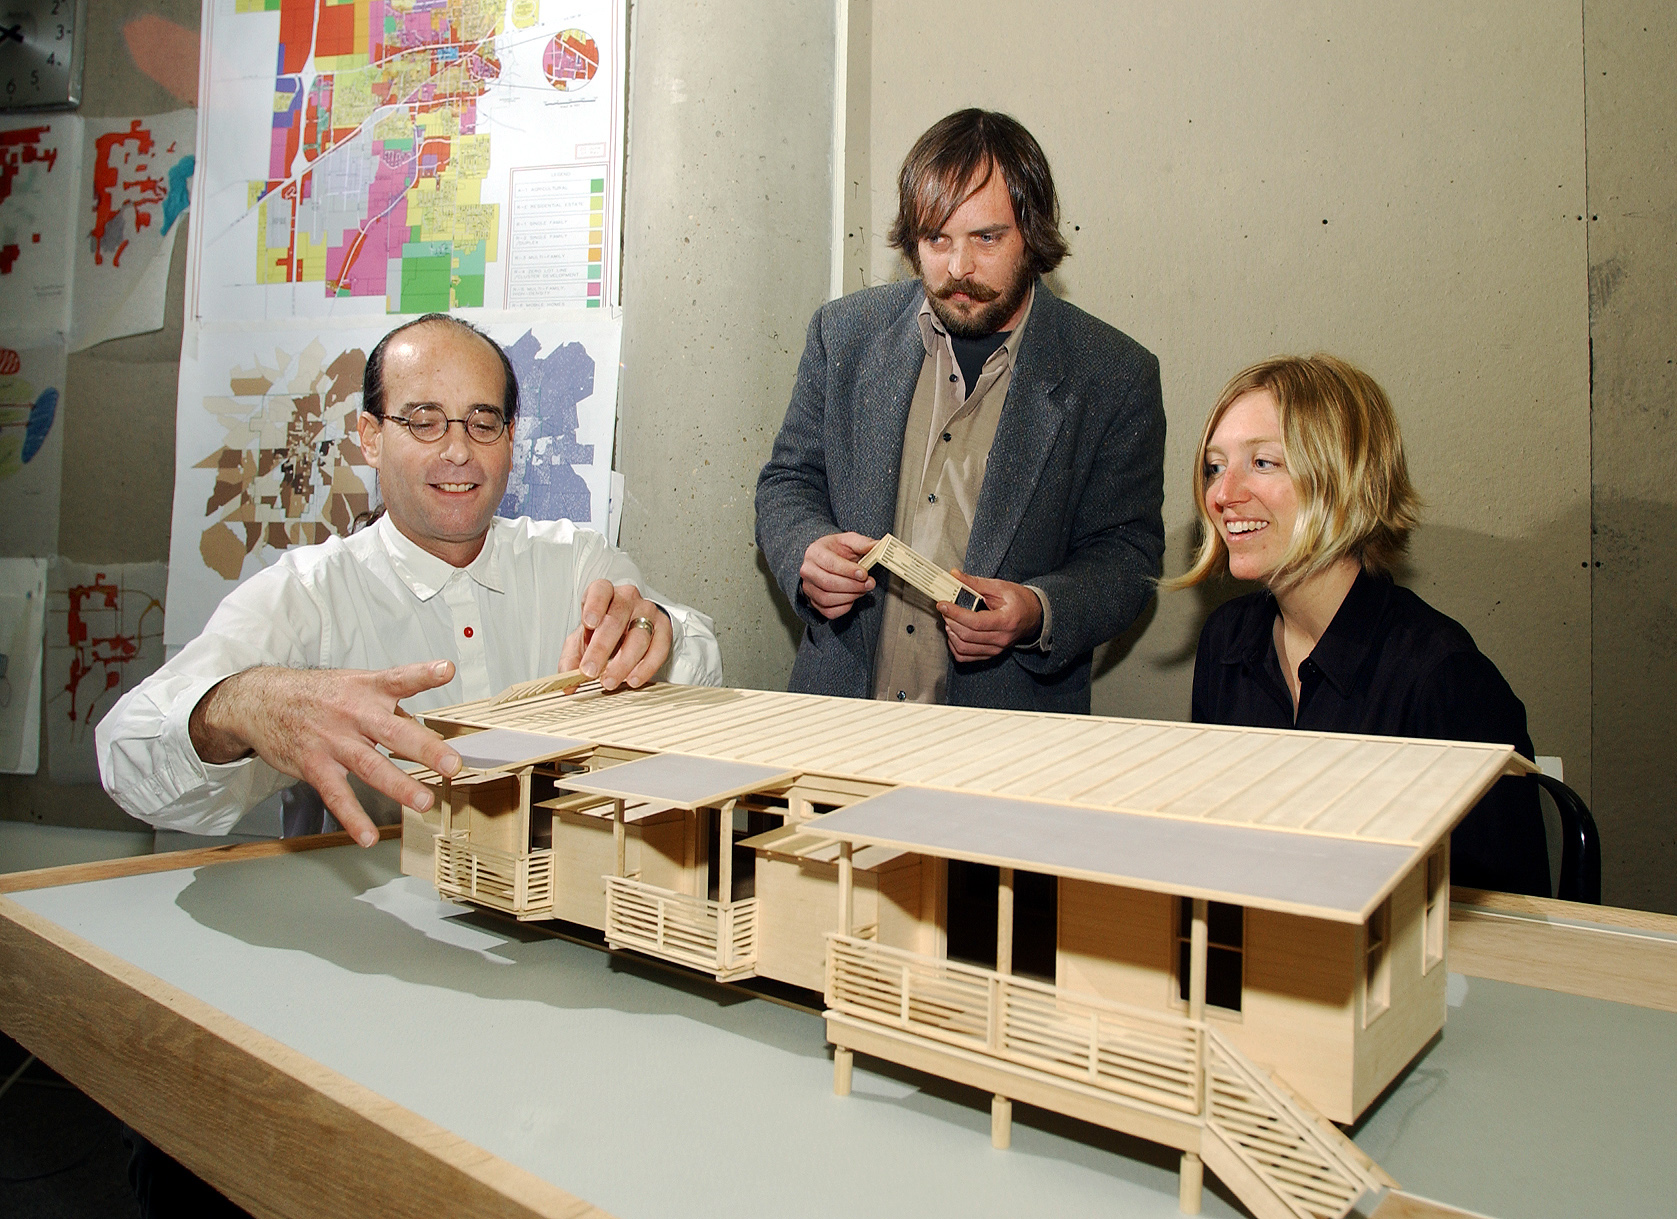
[946,448]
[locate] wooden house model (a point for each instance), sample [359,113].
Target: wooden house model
[1249,927]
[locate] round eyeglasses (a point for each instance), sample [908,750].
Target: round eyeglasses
[430,423]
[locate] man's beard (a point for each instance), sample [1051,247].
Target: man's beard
[996,305]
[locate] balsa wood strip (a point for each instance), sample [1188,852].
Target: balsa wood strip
[1098,762]
[996,749]
[170,861]
[1322,772]
[1191,756]
[1221,799]
[1098,758]
[1077,741]
[1228,765]
[262,1123]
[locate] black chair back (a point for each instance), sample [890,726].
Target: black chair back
[1580,844]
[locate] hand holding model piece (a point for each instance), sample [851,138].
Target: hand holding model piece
[833,574]
[623,639]
[1006,614]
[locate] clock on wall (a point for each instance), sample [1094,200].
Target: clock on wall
[41,54]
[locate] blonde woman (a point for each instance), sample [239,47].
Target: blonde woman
[1301,486]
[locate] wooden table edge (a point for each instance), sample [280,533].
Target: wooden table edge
[1599,952]
[274,1130]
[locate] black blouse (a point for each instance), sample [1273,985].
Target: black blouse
[1389,665]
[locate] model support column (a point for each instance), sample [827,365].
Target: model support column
[725,853]
[842,1057]
[1001,1108]
[619,838]
[1193,1169]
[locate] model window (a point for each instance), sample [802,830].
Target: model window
[1377,973]
[1225,944]
[1438,910]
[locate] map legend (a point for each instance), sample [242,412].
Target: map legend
[556,237]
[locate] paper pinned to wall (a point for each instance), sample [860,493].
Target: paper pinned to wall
[453,155]
[267,456]
[31,445]
[135,186]
[104,635]
[23,601]
[40,161]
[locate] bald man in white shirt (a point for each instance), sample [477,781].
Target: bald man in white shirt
[302,672]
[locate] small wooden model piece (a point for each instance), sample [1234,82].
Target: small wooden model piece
[1250,935]
[901,559]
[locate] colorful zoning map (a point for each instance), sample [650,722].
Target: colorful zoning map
[386,172]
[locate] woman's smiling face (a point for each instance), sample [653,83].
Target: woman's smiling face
[1248,491]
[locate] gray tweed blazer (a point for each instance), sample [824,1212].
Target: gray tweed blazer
[1071,497]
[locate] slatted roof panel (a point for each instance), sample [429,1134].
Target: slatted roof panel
[1379,789]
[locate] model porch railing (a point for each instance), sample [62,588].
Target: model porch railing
[519,884]
[1144,1056]
[1147,1059]
[720,938]
[1278,1141]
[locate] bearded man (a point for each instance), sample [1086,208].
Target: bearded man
[996,429]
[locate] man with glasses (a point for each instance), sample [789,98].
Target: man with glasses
[303,670]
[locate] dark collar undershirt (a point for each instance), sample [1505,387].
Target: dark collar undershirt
[970,355]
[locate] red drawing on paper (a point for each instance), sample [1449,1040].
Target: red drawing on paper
[127,194]
[17,149]
[106,629]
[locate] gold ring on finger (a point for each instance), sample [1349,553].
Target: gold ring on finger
[645,624]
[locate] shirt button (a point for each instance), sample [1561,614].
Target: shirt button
[932,498]
[947,436]
[951,376]
[911,628]
[902,695]
[467,632]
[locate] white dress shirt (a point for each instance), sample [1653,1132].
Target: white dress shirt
[371,601]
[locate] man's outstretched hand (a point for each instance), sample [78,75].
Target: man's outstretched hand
[1012,613]
[614,642]
[321,725]
[832,582]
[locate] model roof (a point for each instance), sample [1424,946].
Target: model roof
[1375,789]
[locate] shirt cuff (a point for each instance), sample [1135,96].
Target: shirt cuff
[1045,637]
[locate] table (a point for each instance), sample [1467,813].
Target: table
[315,1033]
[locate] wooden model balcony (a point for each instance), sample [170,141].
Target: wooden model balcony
[717,937]
[521,885]
[1156,1075]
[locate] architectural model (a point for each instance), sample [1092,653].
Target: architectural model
[1227,897]
[901,559]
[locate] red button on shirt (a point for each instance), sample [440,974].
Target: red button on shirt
[468,632]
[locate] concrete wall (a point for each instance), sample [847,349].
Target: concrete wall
[1631,93]
[727,241]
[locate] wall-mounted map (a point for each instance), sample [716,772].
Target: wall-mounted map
[405,156]
[267,456]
